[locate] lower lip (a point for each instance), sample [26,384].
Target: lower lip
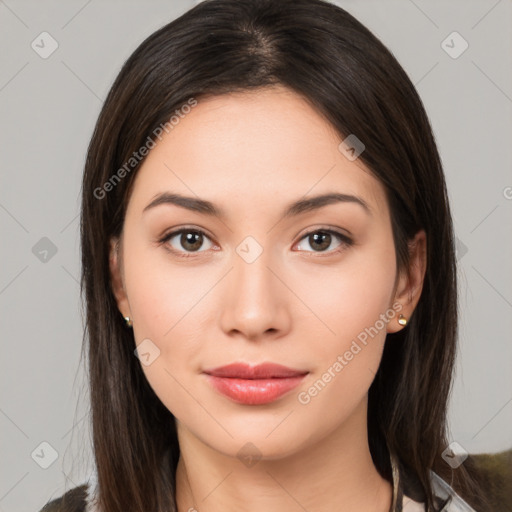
[254,391]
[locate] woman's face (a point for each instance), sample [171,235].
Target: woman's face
[314,290]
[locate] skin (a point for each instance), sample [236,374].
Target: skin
[297,304]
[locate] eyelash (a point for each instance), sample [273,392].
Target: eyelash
[345,241]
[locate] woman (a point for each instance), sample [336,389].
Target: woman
[269,273]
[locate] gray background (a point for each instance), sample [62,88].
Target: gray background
[48,110]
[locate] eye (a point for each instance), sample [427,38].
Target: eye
[321,239]
[186,240]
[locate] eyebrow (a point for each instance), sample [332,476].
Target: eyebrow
[293,209]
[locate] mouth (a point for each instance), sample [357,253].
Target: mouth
[254,385]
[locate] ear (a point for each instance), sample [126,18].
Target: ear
[116,277]
[410,282]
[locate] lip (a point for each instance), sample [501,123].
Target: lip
[254,385]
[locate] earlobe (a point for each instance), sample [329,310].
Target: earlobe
[410,283]
[116,278]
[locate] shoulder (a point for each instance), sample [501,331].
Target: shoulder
[491,472]
[445,496]
[452,502]
[74,500]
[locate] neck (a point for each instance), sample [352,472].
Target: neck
[336,472]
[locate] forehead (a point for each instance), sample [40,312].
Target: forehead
[249,147]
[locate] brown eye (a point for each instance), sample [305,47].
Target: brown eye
[321,240]
[191,240]
[186,240]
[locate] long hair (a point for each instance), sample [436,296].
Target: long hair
[321,52]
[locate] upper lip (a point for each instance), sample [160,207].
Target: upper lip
[259,371]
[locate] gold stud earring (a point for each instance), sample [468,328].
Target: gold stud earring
[402,320]
[128,321]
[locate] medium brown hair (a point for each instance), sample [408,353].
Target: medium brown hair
[321,52]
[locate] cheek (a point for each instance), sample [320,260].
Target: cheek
[354,307]
[349,297]
[163,300]
[162,294]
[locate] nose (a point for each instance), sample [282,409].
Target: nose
[254,300]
